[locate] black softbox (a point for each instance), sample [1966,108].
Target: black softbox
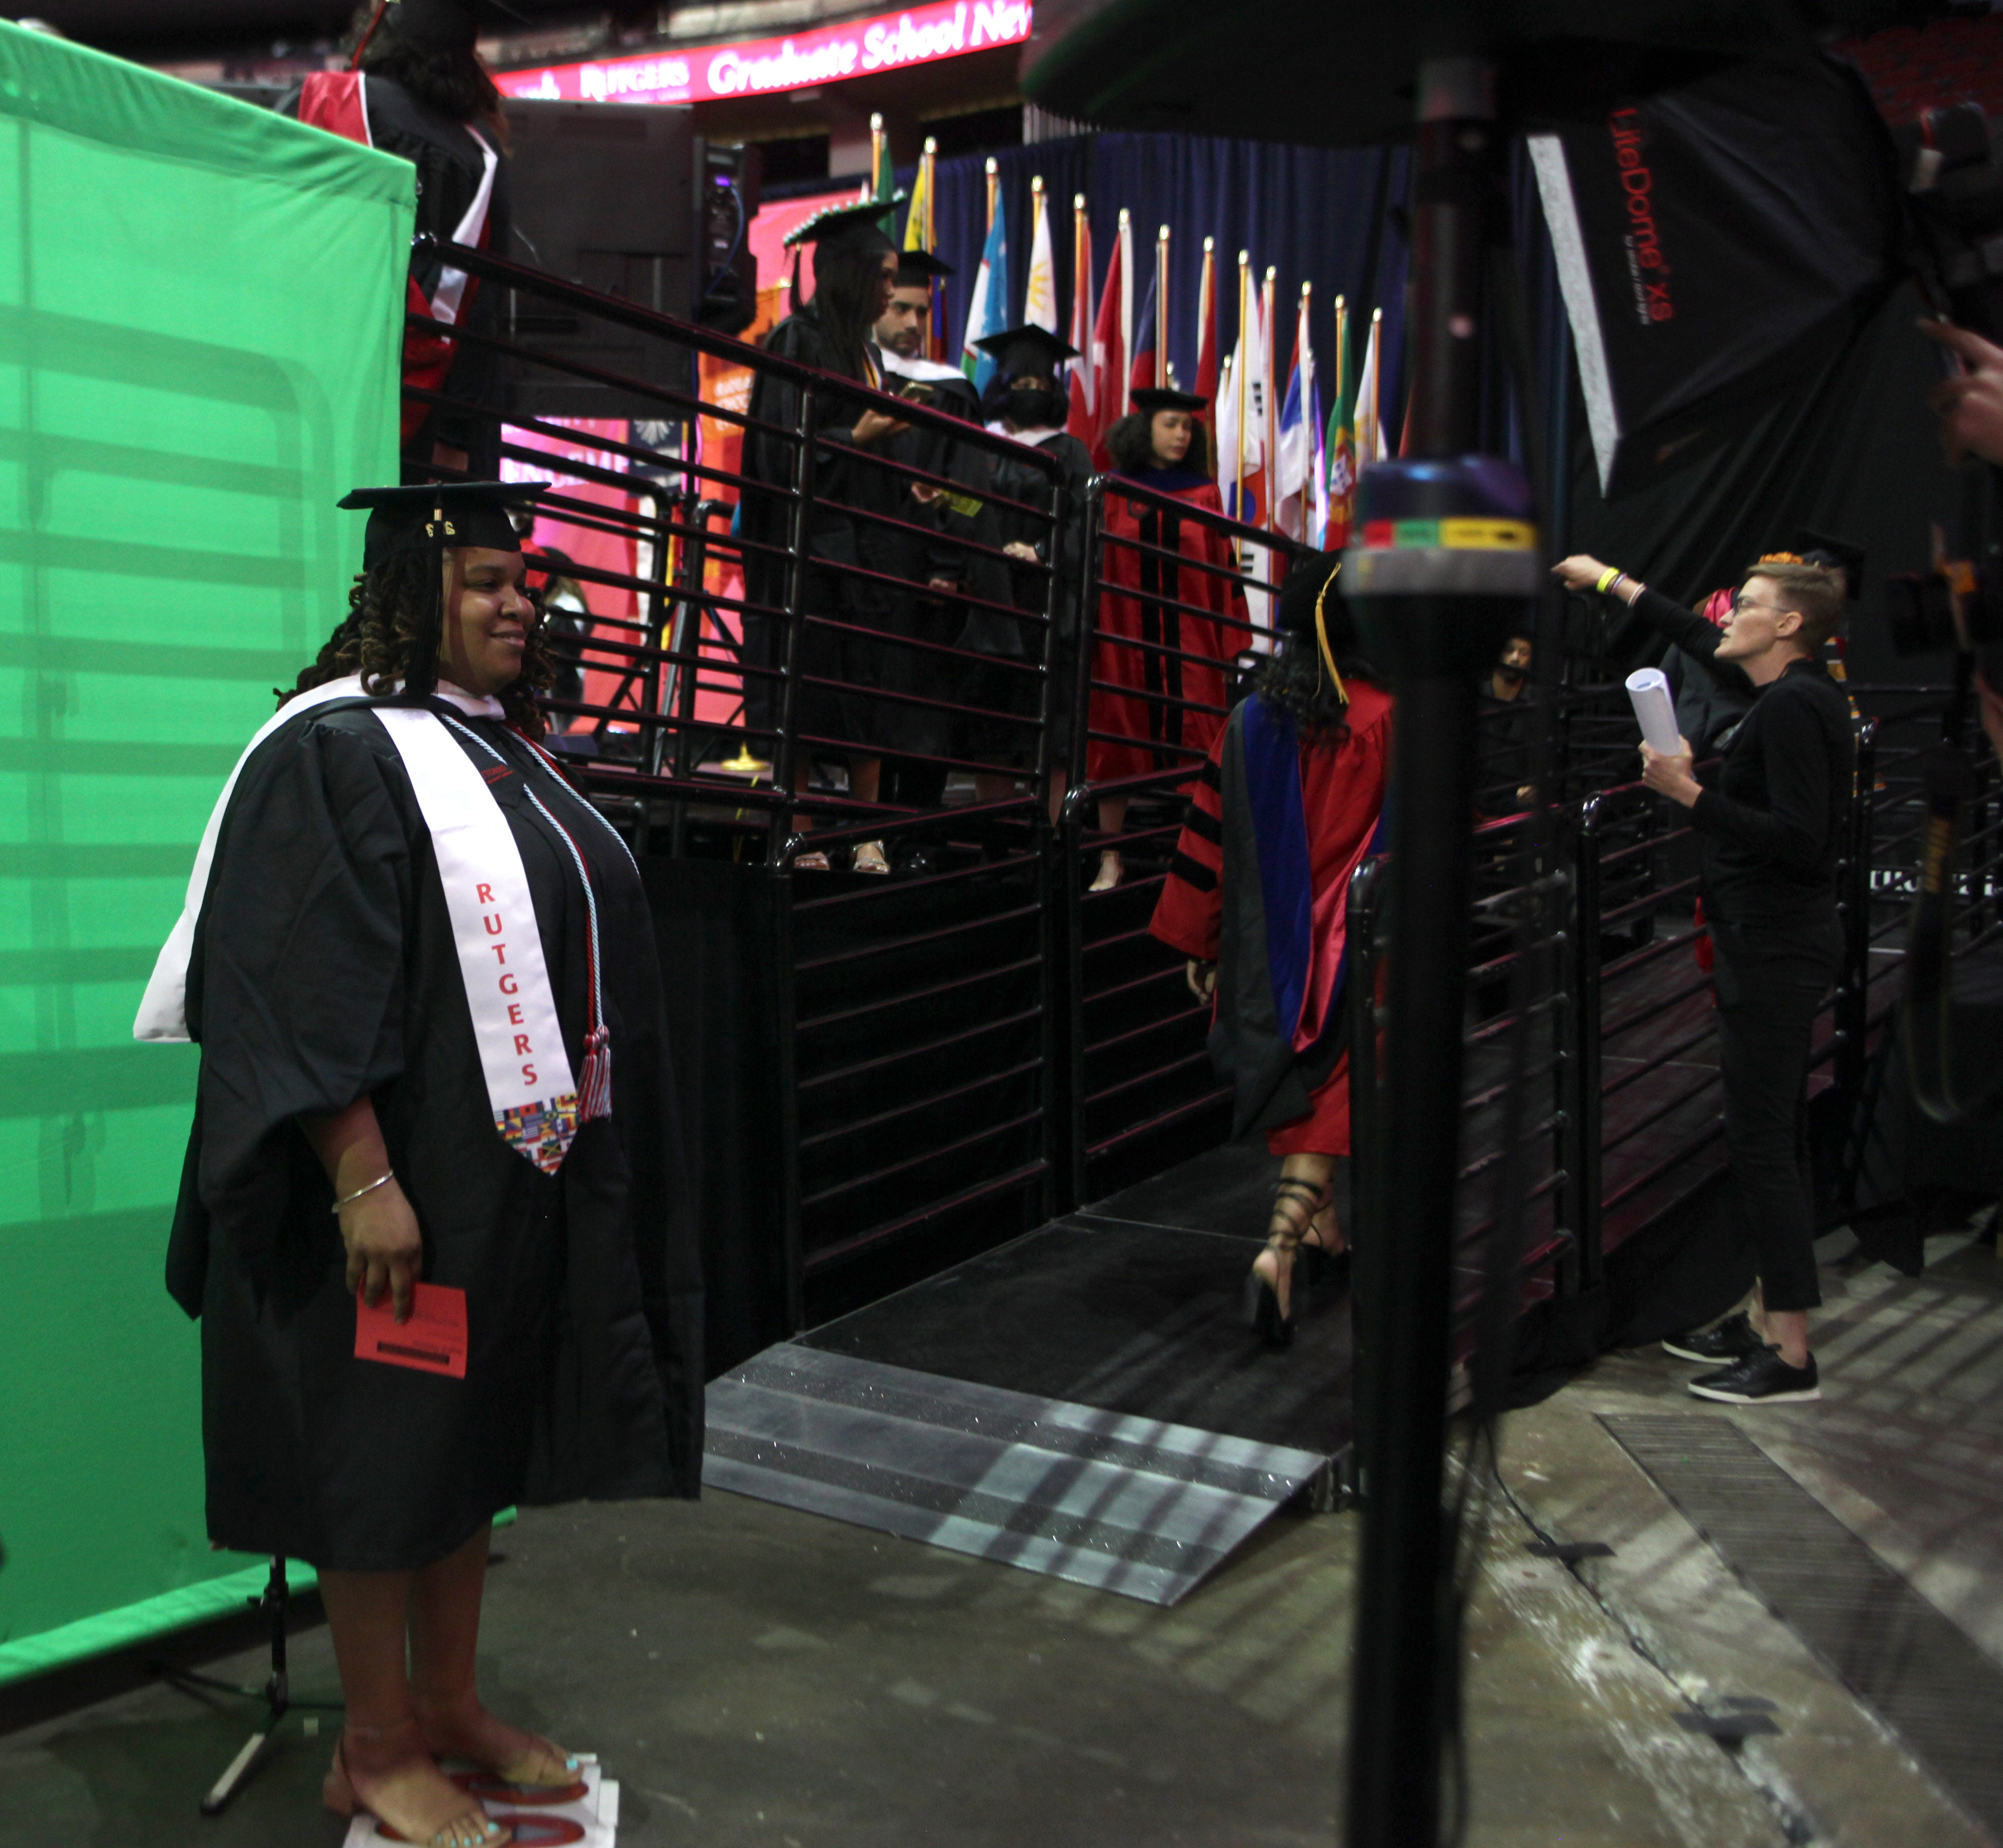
[1717,244]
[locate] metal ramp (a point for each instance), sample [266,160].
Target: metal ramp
[1102,1498]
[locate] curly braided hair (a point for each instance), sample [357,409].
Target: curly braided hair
[374,640]
[1293,679]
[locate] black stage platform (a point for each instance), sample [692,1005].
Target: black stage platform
[1131,1305]
[1083,1401]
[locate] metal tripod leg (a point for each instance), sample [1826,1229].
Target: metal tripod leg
[275,1602]
[277,1697]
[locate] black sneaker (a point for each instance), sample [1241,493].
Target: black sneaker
[1759,1379]
[1732,1339]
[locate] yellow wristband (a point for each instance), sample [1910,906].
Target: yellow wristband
[1608,578]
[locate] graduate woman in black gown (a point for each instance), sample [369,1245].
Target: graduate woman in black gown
[354,1132]
[841,661]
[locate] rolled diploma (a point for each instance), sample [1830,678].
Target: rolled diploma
[1648,688]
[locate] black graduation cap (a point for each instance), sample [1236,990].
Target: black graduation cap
[1152,398]
[1035,350]
[1839,552]
[449,25]
[917,269]
[839,224]
[433,516]
[1313,574]
[439,514]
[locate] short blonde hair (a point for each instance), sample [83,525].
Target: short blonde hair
[1814,592]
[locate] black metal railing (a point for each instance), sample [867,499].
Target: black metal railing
[801,656]
[1621,1018]
[805,657]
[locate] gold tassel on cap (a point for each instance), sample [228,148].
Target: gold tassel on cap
[1321,635]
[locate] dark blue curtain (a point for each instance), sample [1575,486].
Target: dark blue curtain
[1853,453]
[1316,213]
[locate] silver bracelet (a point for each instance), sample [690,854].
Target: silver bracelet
[381,1180]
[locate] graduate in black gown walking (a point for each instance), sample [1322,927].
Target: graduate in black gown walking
[842,660]
[1024,404]
[409,955]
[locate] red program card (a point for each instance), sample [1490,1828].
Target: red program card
[432,1341]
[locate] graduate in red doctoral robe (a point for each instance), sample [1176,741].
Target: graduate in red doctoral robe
[1289,802]
[1167,634]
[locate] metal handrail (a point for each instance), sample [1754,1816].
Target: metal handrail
[1121,1061]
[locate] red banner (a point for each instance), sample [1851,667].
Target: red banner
[766,67]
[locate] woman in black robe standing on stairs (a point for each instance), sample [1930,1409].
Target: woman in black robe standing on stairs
[364,1001]
[845,654]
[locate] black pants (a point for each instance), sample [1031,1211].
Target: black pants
[1771,980]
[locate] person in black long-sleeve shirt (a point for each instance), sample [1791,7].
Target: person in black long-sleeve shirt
[1770,818]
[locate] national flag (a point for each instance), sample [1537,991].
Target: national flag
[1040,291]
[1299,435]
[1079,422]
[919,232]
[1140,374]
[1241,411]
[1269,399]
[1206,332]
[987,311]
[1341,440]
[1370,414]
[917,220]
[1109,337]
[882,176]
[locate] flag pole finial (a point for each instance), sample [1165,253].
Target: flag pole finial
[876,125]
[1126,217]
[994,165]
[932,144]
[1077,201]
[1209,245]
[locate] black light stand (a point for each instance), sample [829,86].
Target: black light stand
[1444,558]
[274,1602]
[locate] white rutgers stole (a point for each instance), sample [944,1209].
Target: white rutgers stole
[515,1026]
[515,1022]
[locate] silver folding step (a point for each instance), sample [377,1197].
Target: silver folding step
[1106,1499]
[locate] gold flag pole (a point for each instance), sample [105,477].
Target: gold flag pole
[875,156]
[1205,306]
[1341,375]
[994,187]
[1162,307]
[1377,377]
[1081,262]
[1244,309]
[1036,208]
[1308,433]
[1269,411]
[1123,254]
[928,169]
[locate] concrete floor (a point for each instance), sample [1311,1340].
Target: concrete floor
[1905,1448]
[753,1676]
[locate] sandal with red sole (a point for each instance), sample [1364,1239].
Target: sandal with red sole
[470,1828]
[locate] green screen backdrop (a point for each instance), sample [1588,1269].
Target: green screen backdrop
[201,307]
